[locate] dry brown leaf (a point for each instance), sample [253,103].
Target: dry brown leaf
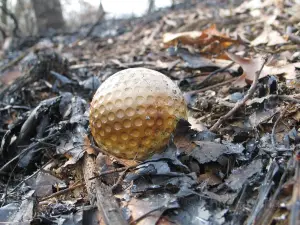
[251,66]
[211,40]
[88,147]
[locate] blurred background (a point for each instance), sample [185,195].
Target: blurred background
[40,16]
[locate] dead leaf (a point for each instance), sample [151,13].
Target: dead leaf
[252,65]
[196,125]
[240,175]
[182,136]
[210,40]
[148,211]
[259,117]
[88,148]
[211,179]
[269,37]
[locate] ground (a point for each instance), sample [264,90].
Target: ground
[235,160]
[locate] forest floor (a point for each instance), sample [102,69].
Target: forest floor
[236,159]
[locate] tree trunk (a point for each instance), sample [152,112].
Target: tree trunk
[151,6]
[48,15]
[3,13]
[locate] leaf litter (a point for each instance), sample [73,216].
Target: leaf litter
[236,173]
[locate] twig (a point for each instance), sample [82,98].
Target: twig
[32,175]
[264,191]
[63,191]
[19,156]
[121,177]
[112,171]
[9,162]
[239,205]
[13,62]
[6,187]
[215,72]
[272,204]
[154,33]
[10,14]
[84,65]
[210,87]
[240,103]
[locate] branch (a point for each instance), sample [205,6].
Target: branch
[105,201]
[13,17]
[240,103]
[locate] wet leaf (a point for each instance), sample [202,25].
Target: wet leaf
[43,184]
[240,175]
[259,117]
[21,213]
[210,151]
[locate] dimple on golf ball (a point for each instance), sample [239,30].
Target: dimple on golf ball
[134,112]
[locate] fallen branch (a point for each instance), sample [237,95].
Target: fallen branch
[14,61]
[120,179]
[63,191]
[13,17]
[105,201]
[239,103]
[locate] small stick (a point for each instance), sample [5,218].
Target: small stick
[13,62]
[210,87]
[63,191]
[112,171]
[240,103]
[78,66]
[32,175]
[121,177]
[215,72]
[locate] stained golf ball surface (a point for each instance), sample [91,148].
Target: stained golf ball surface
[134,112]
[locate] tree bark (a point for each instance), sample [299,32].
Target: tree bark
[3,14]
[151,6]
[48,15]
